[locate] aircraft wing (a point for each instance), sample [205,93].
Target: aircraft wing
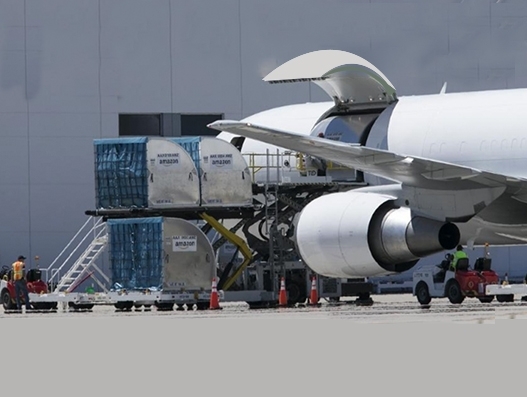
[411,171]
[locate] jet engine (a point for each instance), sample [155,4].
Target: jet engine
[359,234]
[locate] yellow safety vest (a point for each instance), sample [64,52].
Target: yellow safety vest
[458,255]
[18,270]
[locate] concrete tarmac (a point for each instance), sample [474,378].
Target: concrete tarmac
[393,346]
[395,308]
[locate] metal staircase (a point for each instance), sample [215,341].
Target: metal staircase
[68,276]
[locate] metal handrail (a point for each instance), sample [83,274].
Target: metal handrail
[96,234]
[271,164]
[255,168]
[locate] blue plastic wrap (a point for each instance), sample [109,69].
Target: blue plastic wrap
[121,173]
[192,146]
[136,252]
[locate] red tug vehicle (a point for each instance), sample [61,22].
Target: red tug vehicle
[35,285]
[440,281]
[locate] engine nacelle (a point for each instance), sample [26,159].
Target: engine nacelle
[359,234]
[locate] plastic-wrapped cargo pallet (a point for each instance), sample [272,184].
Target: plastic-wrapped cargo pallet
[168,253]
[144,173]
[224,174]
[170,172]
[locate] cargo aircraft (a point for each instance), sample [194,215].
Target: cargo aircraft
[439,170]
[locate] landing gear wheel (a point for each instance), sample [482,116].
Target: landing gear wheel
[505,298]
[453,292]
[6,300]
[422,293]
[486,299]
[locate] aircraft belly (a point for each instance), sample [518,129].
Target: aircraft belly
[505,211]
[503,222]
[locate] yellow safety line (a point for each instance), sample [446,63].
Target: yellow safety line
[236,240]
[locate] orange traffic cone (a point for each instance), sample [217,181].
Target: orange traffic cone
[282,297]
[313,298]
[214,299]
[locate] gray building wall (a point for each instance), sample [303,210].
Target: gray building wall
[69,67]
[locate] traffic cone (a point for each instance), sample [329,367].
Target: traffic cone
[282,297]
[214,299]
[313,298]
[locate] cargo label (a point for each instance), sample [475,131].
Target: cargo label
[167,160]
[184,243]
[223,161]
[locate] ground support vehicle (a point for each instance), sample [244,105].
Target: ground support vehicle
[126,300]
[35,286]
[438,281]
[506,292]
[122,300]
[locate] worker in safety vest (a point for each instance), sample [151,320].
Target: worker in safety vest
[20,282]
[457,256]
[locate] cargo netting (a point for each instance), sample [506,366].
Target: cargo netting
[192,146]
[121,174]
[136,252]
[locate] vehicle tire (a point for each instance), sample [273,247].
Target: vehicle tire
[505,298]
[486,299]
[80,306]
[124,305]
[422,294]
[6,300]
[295,293]
[164,306]
[42,305]
[454,293]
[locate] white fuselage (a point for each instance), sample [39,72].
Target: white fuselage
[485,130]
